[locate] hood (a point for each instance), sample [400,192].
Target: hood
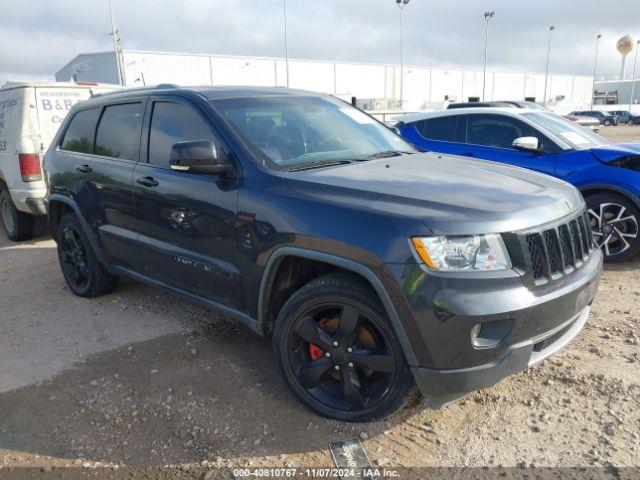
[447,194]
[610,153]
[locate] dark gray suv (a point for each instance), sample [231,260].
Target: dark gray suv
[372,266]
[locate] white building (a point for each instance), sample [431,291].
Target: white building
[377,85]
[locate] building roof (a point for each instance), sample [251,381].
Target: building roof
[88,85]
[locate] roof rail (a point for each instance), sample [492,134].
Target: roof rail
[161,86]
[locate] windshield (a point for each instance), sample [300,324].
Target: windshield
[573,135]
[294,132]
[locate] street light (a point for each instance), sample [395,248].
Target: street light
[633,81]
[595,66]
[546,78]
[487,17]
[401,5]
[286,42]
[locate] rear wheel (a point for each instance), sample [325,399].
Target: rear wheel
[18,225]
[607,123]
[338,353]
[614,225]
[82,271]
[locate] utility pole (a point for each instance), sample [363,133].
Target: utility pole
[595,67]
[487,17]
[401,5]
[633,80]
[286,41]
[116,46]
[546,78]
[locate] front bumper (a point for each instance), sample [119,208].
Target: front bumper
[443,310]
[443,386]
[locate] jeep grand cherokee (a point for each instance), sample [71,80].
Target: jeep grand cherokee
[372,266]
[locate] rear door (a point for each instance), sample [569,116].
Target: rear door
[186,221]
[94,163]
[442,134]
[491,137]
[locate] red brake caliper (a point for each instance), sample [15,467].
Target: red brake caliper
[315,351]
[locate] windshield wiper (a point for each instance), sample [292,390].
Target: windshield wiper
[310,166]
[388,154]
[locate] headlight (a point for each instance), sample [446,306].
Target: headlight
[463,254]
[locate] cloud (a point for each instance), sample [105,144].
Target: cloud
[40,37]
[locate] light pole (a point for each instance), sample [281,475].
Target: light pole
[595,67]
[546,78]
[487,18]
[401,5]
[633,80]
[116,46]
[286,41]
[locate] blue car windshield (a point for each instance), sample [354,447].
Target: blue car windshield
[287,132]
[575,136]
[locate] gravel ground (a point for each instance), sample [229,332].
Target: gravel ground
[143,378]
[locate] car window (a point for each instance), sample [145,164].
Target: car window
[445,129]
[172,123]
[79,135]
[570,133]
[292,132]
[118,133]
[496,130]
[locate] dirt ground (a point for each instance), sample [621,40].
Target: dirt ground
[144,378]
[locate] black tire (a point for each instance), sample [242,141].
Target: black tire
[614,221]
[81,269]
[18,225]
[357,392]
[607,123]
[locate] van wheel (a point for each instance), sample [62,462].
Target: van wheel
[82,271]
[338,352]
[17,224]
[614,225]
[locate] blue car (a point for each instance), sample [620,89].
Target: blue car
[607,175]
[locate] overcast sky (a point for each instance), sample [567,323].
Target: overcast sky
[39,36]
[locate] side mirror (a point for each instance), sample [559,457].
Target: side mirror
[529,144]
[199,156]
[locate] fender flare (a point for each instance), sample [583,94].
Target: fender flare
[346,264]
[56,197]
[584,189]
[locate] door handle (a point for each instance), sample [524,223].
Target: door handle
[84,168]
[147,181]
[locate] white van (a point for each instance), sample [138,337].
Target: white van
[30,114]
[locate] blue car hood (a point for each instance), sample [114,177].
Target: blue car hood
[610,153]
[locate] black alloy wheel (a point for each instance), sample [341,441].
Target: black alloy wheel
[338,352]
[73,259]
[82,271]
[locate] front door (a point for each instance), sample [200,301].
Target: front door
[186,221]
[491,137]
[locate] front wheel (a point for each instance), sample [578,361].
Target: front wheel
[338,352]
[607,123]
[614,225]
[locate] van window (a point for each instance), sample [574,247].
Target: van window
[119,131]
[79,134]
[172,123]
